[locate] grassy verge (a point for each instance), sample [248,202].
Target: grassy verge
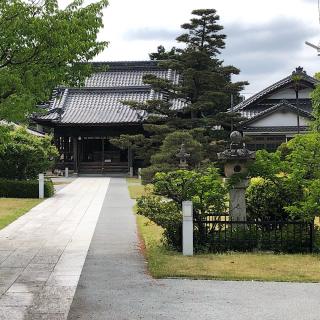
[163,263]
[11,209]
[133,180]
[137,190]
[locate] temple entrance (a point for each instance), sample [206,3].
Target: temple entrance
[98,155]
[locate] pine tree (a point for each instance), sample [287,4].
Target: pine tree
[205,86]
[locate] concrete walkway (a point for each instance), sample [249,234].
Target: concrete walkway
[43,252]
[114,283]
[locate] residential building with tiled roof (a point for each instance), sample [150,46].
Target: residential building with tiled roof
[275,114]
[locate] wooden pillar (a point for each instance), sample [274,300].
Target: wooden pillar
[102,155]
[65,149]
[130,161]
[75,154]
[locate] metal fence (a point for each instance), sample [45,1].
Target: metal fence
[217,233]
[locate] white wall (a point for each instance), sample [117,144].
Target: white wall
[281,118]
[290,94]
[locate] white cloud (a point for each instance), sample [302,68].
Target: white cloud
[265,38]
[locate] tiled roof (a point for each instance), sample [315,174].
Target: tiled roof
[305,77]
[99,106]
[100,100]
[254,115]
[127,78]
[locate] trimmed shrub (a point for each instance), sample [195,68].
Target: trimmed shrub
[166,159]
[166,214]
[24,188]
[203,187]
[23,156]
[268,200]
[148,174]
[171,146]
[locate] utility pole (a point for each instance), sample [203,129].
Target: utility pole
[297,77]
[231,107]
[298,110]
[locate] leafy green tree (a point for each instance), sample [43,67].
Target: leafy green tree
[291,176]
[315,96]
[302,156]
[42,47]
[24,156]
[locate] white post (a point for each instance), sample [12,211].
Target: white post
[41,186]
[187,228]
[66,172]
[131,172]
[139,173]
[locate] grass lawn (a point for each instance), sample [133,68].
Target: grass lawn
[134,180]
[163,263]
[11,209]
[136,190]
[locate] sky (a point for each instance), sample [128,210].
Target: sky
[265,39]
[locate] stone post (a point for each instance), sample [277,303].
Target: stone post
[75,154]
[41,186]
[66,172]
[187,228]
[130,162]
[237,204]
[139,173]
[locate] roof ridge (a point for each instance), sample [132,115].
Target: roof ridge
[271,87]
[116,88]
[124,65]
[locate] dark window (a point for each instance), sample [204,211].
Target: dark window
[267,142]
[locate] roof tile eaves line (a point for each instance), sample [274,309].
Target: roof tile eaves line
[274,86]
[274,108]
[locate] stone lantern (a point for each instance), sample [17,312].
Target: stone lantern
[183,156]
[236,160]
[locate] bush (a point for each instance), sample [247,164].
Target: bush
[23,156]
[268,200]
[24,188]
[166,214]
[203,187]
[148,174]
[171,146]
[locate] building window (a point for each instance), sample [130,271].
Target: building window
[267,142]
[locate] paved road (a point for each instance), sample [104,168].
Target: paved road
[43,252]
[114,283]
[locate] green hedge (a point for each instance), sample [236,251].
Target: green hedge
[24,188]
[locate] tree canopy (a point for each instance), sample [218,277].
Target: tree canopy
[43,46]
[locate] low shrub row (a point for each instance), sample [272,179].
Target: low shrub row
[24,188]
